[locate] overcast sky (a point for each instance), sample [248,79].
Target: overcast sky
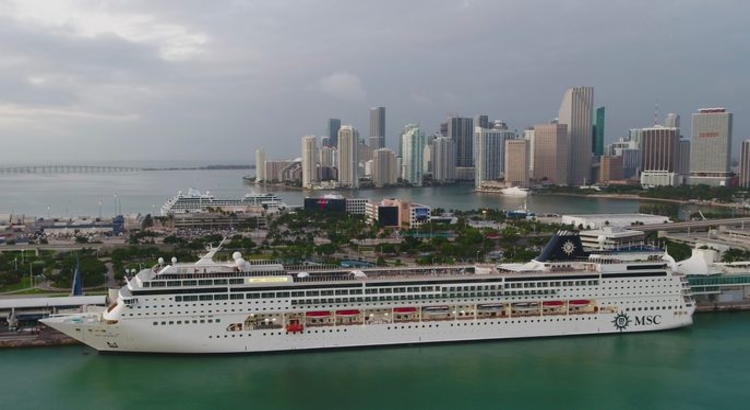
[214,80]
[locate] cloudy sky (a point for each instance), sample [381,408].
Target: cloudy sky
[214,80]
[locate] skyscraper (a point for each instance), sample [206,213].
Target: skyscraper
[598,132]
[377,127]
[461,130]
[384,169]
[443,159]
[482,121]
[575,112]
[334,124]
[309,169]
[413,149]
[745,164]
[551,153]
[659,156]
[260,165]
[672,120]
[517,162]
[489,156]
[348,139]
[711,147]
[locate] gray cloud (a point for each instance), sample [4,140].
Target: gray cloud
[213,81]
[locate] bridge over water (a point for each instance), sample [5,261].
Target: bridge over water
[67,169]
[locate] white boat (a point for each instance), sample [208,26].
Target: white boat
[516,191]
[232,307]
[196,202]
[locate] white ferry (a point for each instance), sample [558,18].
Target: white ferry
[516,191]
[196,201]
[208,307]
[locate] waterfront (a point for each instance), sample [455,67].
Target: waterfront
[71,195]
[704,366]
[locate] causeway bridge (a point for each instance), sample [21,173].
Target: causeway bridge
[67,169]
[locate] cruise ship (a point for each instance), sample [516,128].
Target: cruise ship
[234,307]
[196,201]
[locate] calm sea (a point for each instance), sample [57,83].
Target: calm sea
[702,367]
[70,195]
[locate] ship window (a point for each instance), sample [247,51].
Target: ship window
[205,282]
[220,282]
[342,292]
[282,294]
[158,284]
[253,295]
[190,298]
[236,296]
[326,293]
[177,299]
[221,297]
[355,291]
[206,297]
[309,293]
[267,295]
[235,281]
[189,282]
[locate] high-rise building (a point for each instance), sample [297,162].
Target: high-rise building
[745,164]
[672,120]
[348,139]
[551,153]
[377,127]
[384,170]
[443,159]
[610,169]
[711,146]
[334,124]
[659,156]
[528,135]
[598,132]
[461,130]
[683,160]
[325,141]
[260,165]
[489,156]
[414,141]
[575,112]
[309,168]
[517,162]
[482,121]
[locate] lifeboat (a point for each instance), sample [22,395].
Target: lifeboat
[291,328]
[490,307]
[403,310]
[579,302]
[526,306]
[352,312]
[553,303]
[319,313]
[436,310]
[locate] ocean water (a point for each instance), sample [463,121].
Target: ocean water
[71,195]
[702,367]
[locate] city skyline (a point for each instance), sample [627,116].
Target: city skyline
[213,82]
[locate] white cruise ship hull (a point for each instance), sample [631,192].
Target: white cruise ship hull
[142,336]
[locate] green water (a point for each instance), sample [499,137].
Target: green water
[706,366]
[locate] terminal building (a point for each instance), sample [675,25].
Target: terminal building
[611,237]
[598,221]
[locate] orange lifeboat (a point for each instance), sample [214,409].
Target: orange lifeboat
[579,302]
[319,313]
[352,312]
[403,310]
[553,303]
[294,327]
